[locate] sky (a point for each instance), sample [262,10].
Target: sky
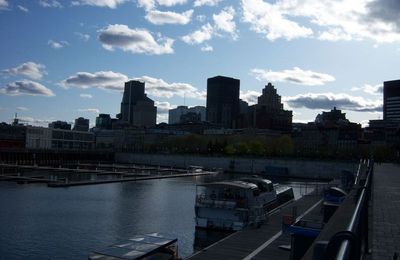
[63,59]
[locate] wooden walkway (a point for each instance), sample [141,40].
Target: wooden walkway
[259,243]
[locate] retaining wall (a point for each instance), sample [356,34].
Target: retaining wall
[295,168]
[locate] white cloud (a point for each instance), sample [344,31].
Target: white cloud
[250,96]
[295,76]
[100,3]
[160,88]
[146,4]
[89,110]
[330,100]
[57,45]
[83,36]
[269,20]
[23,8]
[207,48]
[50,4]
[206,2]
[224,21]
[370,89]
[134,40]
[22,108]
[163,107]
[171,2]
[86,96]
[101,79]
[199,36]
[28,69]
[375,20]
[3,5]
[26,87]
[159,17]
[35,121]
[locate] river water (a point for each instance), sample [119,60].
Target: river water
[38,222]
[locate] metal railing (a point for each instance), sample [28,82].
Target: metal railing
[352,243]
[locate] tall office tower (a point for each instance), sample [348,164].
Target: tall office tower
[103,121]
[81,124]
[391,100]
[136,108]
[268,113]
[223,101]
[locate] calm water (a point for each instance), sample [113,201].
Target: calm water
[68,223]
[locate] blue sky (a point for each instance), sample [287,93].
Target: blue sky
[61,59]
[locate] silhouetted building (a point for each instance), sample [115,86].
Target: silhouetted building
[136,108]
[190,117]
[332,118]
[329,134]
[223,101]
[175,115]
[60,125]
[391,100]
[103,121]
[12,136]
[81,124]
[268,113]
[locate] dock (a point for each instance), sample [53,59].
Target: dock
[90,174]
[262,242]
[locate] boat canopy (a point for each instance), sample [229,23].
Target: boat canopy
[233,184]
[136,247]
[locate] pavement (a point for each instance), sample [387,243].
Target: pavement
[386,212]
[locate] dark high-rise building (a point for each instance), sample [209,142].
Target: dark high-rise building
[223,101]
[60,125]
[103,121]
[81,124]
[136,108]
[391,100]
[268,113]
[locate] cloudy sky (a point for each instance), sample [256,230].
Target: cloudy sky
[61,59]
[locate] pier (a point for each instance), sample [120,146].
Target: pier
[90,174]
[262,242]
[364,226]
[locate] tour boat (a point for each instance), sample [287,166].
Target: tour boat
[233,205]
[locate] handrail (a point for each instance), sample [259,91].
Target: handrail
[351,248]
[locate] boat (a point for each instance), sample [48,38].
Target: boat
[153,246]
[233,205]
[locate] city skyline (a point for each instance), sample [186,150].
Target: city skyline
[340,57]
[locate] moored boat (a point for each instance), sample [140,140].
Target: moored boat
[233,205]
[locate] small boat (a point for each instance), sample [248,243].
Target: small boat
[154,246]
[233,205]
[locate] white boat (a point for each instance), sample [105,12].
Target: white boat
[232,205]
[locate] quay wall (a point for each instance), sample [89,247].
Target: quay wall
[295,168]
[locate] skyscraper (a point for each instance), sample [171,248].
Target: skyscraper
[268,113]
[223,101]
[391,100]
[81,124]
[136,108]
